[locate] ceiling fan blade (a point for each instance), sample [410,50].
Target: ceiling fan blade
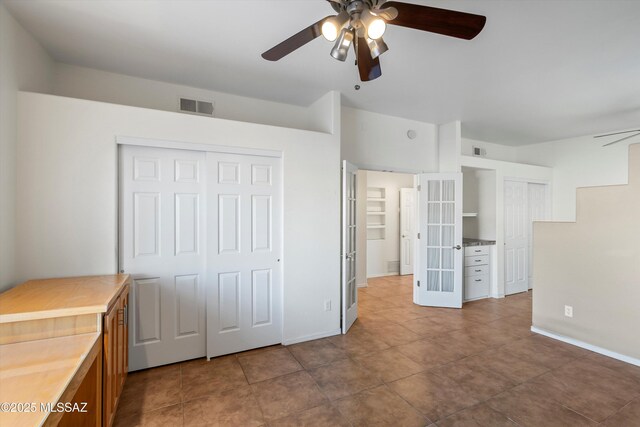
[442,21]
[368,67]
[621,139]
[617,133]
[294,42]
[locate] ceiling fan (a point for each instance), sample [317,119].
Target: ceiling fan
[634,132]
[362,23]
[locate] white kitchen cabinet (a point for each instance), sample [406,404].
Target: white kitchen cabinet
[477,260]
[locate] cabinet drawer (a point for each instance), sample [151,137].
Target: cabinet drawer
[476,270]
[476,250]
[476,260]
[476,287]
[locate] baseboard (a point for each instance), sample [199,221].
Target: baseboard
[373,276]
[587,346]
[362,285]
[312,337]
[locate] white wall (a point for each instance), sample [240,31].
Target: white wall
[504,170]
[87,83]
[380,252]
[379,142]
[578,162]
[479,196]
[24,65]
[67,176]
[449,146]
[493,151]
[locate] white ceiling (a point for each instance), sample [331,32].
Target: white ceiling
[540,70]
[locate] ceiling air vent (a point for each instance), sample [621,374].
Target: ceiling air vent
[193,106]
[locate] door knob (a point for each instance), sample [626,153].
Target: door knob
[458,247]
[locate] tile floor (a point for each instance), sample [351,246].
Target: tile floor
[399,365]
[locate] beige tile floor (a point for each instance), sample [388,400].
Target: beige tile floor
[399,365]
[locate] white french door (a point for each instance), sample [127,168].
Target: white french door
[162,221]
[516,232]
[348,252]
[244,299]
[439,281]
[407,229]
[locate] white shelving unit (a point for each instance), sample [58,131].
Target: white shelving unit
[376,213]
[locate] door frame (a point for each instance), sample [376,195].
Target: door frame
[415,173]
[203,147]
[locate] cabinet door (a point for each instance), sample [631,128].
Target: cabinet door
[110,363]
[123,340]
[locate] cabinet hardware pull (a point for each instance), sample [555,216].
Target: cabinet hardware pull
[478,271]
[478,260]
[478,280]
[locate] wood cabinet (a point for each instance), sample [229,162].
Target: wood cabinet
[116,351]
[74,329]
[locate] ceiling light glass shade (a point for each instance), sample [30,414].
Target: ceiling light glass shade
[332,26]
[341,48]
[377,47]
[374,25]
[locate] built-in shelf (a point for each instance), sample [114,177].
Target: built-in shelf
[376,212]
[470,215]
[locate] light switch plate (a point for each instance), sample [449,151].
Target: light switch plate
[568,311]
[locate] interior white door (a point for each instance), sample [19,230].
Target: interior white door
[407,229]
[516,231]
[162,211]
[348,252]
[537,207]
[244,292]
[439,281]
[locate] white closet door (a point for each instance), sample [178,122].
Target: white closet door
[244,292]
[162,212]
[349,234]
[407,229]
[516,232]
[537,199]
[440,211]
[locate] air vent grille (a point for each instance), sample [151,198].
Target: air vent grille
[193,106]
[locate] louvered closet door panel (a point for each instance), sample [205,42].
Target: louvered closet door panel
[163,246]
[244,292]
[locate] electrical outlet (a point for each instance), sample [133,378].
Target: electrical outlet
[568,311]
[327,305]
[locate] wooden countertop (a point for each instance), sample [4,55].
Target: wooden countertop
[40,372]
[41,299]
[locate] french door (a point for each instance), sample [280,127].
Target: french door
[348,252]
[200,233]
[439,281]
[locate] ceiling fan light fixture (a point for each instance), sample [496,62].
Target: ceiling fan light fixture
[332,26]
[374,25]
[377,47]
[341,48]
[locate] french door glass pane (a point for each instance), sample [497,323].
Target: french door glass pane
[433,280]
[433,188]
[447,281]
